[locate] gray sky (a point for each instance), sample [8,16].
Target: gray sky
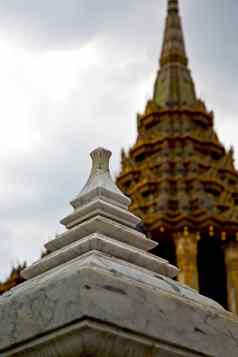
[73,75]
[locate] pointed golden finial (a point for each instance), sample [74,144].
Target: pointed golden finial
[123,155]
[169,86]
[173,6]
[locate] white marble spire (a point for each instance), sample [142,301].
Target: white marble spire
[101,221]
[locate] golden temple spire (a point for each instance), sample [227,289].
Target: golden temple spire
[181,180]
[173,6]
[173,49]
[174,86]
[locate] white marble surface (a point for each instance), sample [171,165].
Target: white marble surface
[102,208]
[116,293]
[104,244]
[106,227]
[100,183]
[97,339]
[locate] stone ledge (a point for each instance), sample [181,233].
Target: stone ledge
[95,338]
[103,226]
[101,208]
[106,245]
[111,197]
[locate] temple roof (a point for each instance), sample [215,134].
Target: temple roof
[178,173]
[174,85]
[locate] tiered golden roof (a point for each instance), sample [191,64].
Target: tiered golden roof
[178,173]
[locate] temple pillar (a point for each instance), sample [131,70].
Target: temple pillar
[186,254]
[231,256]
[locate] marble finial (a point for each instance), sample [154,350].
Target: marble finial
[100,158]
[101,222]
[100,179]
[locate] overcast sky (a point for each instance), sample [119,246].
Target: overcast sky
[73,74]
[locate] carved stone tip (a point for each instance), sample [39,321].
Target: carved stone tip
[101,158]
[100,178]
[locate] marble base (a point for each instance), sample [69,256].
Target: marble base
[136,304]
[97,339]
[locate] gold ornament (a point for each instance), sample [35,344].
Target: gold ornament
[223,236]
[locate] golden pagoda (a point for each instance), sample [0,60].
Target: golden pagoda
[181,179]
[14,279]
